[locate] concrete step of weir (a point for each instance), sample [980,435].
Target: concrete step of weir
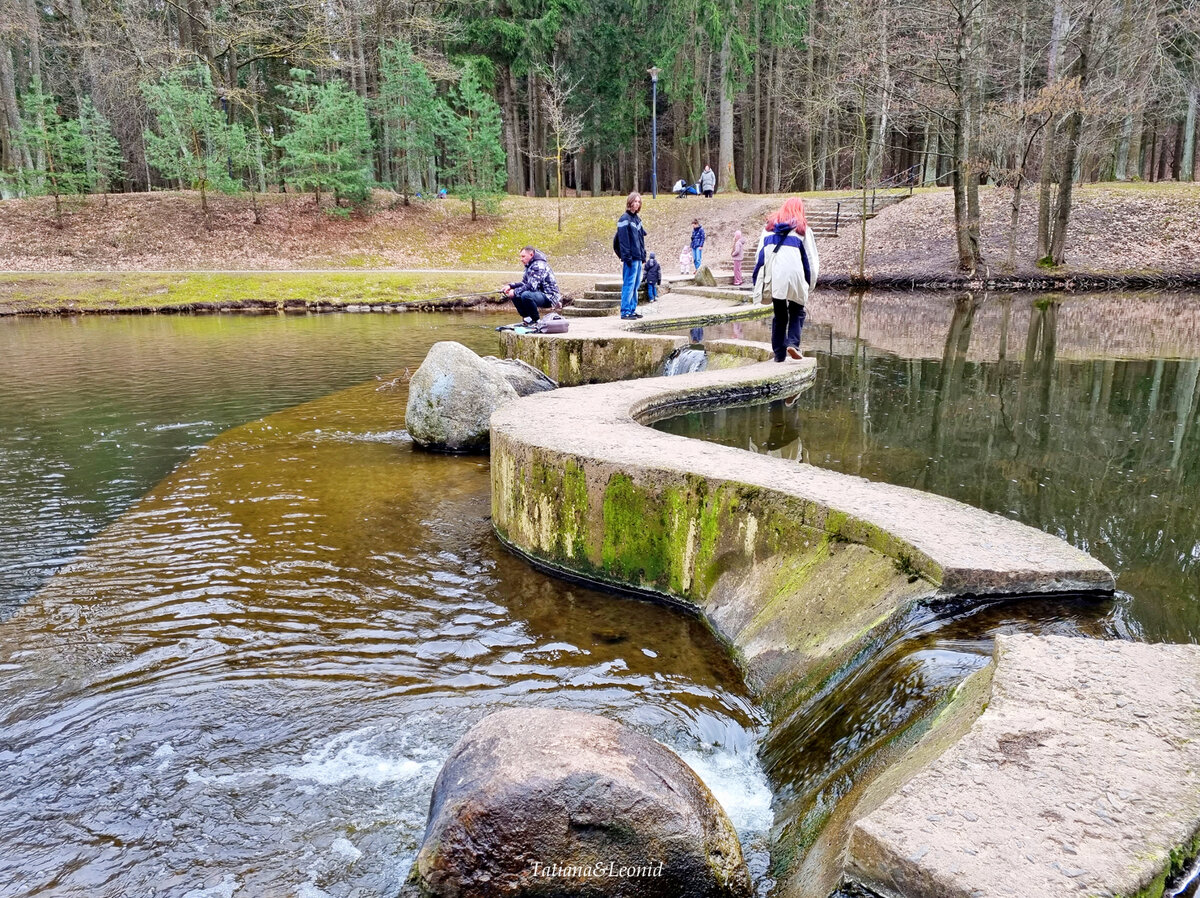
[602,296]
[577,312]
[587,303]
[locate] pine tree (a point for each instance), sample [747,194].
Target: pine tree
[412,112]
[191,142]
[57,143]
[476,153]
[329,145]
[101,151]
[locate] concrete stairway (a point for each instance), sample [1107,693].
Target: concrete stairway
[826,220]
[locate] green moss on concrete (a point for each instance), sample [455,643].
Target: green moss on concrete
[1178,858]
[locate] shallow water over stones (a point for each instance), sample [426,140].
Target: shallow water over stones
[245,681]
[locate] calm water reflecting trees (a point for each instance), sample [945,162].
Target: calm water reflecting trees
[1104,452]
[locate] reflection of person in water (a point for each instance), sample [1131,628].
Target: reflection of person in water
[697,335]
[782,439]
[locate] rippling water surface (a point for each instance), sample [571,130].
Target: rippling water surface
[247,621]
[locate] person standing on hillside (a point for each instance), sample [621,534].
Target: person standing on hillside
[708,182]
[537,289]
[697,242]
[629,243]
[739,252]
[785,273]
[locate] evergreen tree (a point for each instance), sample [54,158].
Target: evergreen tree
[412,113]
[476,153]
[101,151]
[58,146]
[329,145]
[190,143]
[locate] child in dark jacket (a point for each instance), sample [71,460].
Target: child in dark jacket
[653,278]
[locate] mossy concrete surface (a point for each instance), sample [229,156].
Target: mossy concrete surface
[1082,777]
[798,569]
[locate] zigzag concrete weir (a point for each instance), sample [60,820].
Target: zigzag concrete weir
[1042,775]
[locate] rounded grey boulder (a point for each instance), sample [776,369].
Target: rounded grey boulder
[534,802]
[452,395]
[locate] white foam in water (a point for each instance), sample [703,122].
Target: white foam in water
[224,889]
[345,757]
[345,849]
[739,783]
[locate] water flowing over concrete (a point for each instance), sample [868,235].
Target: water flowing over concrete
[795,567]
[1082,777]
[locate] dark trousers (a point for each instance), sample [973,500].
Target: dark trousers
[529,301]
[785,326]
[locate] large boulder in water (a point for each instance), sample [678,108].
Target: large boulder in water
[453,394]
[535,802]
[521,376]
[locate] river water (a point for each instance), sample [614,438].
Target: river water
[1076,415]
[244,621]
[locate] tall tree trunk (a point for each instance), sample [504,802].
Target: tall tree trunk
[1177,156]
[514,160]
[1074,127]
[1187,165]
[966,210]
[1121,154]
[8,95]
[881,121]
[725,158]
[756,160]
[1046,181]
[597,174]
[930,170]
[776,151]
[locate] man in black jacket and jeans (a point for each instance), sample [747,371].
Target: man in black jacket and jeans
[629,243]
[537,289]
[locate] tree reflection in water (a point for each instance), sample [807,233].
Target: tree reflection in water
[1102,451]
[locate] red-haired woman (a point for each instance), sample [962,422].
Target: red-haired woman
[785,272]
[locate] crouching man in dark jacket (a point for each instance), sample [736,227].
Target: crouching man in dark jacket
[537,289]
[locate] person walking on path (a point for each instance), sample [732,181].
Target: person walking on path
[685,260]
[537,289]
[708,182]
[629,243]
[739,251]
[653,278]
[785,273]
[697,242]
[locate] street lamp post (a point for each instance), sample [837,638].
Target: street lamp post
[654,70]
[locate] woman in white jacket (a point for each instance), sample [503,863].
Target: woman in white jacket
[785,272]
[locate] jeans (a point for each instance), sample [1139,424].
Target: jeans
[785,326]
[696,257]
[529,301]
[631,278]
[652,292]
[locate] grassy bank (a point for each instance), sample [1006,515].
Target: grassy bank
[140,291]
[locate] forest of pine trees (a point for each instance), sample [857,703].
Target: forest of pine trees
[482,96]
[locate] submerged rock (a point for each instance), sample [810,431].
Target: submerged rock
[453,394]
[559,803]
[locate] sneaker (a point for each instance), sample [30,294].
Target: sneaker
[635,315]
[794,352]
[528,322]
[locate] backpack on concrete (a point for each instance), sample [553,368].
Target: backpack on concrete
[551,323]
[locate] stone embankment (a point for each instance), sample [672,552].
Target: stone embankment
[797,568]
